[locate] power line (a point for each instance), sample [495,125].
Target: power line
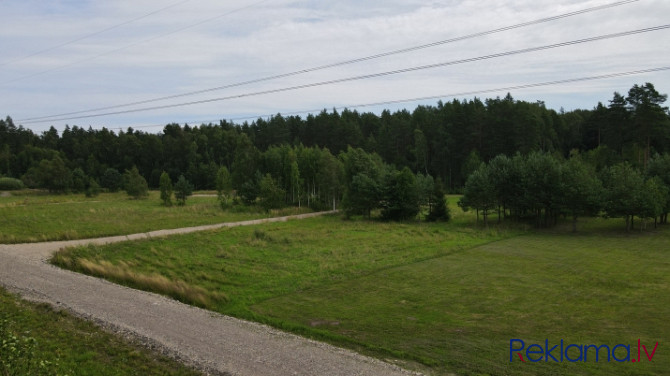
[440,96]
[349,62]
[94,34]
[136,43]
[367,76]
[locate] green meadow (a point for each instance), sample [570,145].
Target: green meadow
[36,340]
[440,298]
[27,217]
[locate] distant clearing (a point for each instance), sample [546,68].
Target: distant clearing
[27,218]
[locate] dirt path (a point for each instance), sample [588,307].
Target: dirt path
[206,340]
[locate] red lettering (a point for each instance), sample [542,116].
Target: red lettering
[652,353]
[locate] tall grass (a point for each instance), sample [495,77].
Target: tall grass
[122,273]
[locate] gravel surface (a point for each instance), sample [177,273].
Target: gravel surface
[206,340]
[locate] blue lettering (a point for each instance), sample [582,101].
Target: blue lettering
[567,356]
[627,358]
[512,349]
[598,348]
[547,354]
[530,352]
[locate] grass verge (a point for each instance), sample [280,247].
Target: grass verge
[36,340]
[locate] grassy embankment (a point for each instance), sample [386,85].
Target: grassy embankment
[34,217]
[36,340]
[449,297]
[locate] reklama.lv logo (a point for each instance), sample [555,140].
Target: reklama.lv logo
[578,353]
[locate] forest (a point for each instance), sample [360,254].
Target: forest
[362,159]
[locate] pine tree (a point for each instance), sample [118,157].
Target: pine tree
[136,186]
[182,190]
[166,189]
[439,211]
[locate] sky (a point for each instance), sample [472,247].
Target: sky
[71,56]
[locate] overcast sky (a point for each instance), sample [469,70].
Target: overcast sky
[63,56]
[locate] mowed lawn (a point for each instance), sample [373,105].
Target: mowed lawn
[26,218]
[447,298]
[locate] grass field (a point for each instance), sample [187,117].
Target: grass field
[30,217]
[66,345]
[446,298]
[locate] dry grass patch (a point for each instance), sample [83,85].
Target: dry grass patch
[123,274]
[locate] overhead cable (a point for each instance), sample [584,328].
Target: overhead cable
[347,62]
[93,34]
[368,76]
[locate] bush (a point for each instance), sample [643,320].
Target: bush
[136,186]
[272,196]
[93,189]
[50,174]
[439,211]
[10,184]
[166,189]
[182,189]
[112,180]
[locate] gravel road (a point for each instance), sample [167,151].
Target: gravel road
[208,341]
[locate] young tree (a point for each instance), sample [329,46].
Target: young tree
[479,193]
[581,190]
[271,195]
[424,188]
[182,189]
[50,174]
[79,180]
[506,175]
[93,189]
[659,166]
[330,176]
[135,184]
[165,185]
[362,195]
[112,180]
[542,186]
[250,190]
[439,211]
[224,187]
[654,198]
[624,187]
[294,179]
[400,197]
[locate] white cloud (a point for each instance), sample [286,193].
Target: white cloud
[197,45]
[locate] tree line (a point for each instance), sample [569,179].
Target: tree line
[541,187]
[307,161]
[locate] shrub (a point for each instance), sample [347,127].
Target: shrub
[272,196]
[93,189]
[182,189]
[79,180]
[439,211]
[112,180]
[10,184]
[136,186]
[166,189]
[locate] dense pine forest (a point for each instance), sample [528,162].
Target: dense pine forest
[321,159]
